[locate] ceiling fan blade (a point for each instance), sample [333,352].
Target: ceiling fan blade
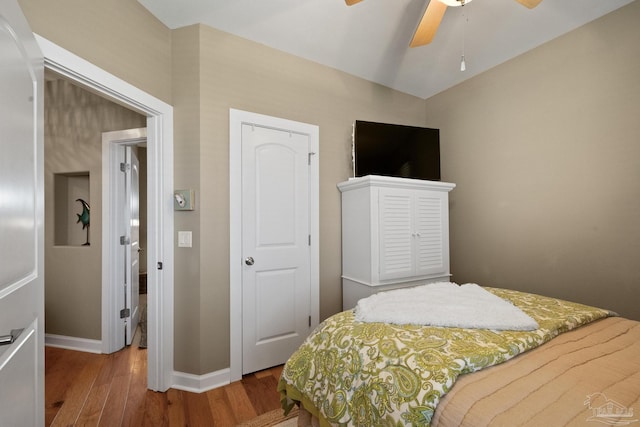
[529,3]
[429,23]
[352,2]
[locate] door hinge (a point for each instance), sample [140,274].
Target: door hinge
[309,239]
[159,266]
[124,167]
[124,240]
[311,153]
[125,312]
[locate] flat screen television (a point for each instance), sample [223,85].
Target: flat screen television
[396,150]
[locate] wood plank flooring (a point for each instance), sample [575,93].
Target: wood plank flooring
[85,389]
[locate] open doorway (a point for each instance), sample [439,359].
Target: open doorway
[76,208]
[159,123]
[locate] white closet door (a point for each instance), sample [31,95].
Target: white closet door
[276,278]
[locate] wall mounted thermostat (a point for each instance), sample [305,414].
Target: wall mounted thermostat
[184,200]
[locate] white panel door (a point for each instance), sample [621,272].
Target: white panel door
[21,222]
[127,230]
[132,251]
[276,248]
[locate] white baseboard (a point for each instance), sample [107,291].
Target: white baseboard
[201,383]
[181,380]
[73,343]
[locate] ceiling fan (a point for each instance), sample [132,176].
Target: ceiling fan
[433,15]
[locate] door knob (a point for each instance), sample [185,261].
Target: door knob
[249,261]
[9,339]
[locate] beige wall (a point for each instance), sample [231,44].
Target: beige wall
[119,36]
[188,281]
[74,122]
[545,151]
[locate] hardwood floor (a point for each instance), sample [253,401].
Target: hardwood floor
[84,389]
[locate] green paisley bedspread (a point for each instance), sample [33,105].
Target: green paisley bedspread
[377,374]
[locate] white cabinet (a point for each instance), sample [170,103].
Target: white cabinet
[395,233]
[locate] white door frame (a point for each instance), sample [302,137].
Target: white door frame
[236,119]
[159,203]
[112,333]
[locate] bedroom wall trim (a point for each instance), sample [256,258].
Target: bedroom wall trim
[73,343]
[201,383]
[160,245]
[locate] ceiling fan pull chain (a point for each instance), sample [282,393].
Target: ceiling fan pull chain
[463,62]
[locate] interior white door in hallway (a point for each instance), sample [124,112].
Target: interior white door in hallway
[121,231]
[21,222]
[275,245]
[132,247]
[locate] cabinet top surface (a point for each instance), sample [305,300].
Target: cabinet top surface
[388,181]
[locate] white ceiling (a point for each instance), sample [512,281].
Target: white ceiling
[371,38]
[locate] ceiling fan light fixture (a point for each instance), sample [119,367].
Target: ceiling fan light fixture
[455,3]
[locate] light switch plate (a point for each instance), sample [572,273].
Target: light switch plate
[184,239]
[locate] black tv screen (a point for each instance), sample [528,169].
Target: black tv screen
[396,150]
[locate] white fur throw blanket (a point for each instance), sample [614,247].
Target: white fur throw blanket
[444,304]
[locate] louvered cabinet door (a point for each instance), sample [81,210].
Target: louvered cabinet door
[413,232]
[396,233]
[431,229]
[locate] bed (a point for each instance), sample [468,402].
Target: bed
[580,366]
